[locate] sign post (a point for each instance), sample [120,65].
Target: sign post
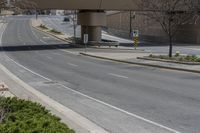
[135,38]
[85,41]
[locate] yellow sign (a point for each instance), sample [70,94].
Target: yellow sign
[136,41]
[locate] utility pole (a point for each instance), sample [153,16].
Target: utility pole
[36,14]
[130,17]
[74,24]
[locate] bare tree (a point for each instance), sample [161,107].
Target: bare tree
[23,5]
[170,14]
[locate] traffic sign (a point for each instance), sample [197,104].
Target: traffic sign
[85,38]
[135,33]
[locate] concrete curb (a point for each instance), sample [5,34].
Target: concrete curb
[79,123]
[143,64]
[141,50]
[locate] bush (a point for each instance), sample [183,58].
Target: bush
[198,60]
[151,55]
[177,54]
[43,26]
[55,31]
[28,117]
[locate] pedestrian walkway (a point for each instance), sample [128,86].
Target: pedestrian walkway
[131,58]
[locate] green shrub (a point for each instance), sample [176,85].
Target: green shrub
[177,54]
[28,117]
[198,60]
[55,31]
[151,55]
[43,26]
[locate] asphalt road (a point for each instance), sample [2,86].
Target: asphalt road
[168,98]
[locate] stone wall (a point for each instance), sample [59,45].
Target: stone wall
[119,24]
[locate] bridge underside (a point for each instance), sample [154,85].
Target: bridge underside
[91,15]
[85,4]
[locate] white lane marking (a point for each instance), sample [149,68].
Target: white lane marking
[56,53]
[28,69]
[3,30]
[34,34]
[38,37]
[69,52]
[50,58]
[71,64]
[117,75]
[43,41]
[106,104]
[45,37]
[123,111]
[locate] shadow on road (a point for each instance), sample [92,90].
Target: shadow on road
[36,47]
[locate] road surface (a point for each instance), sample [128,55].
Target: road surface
[115,96]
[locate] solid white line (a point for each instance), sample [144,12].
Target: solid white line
[123,111]
[43,41]
[56,53]
[50,58]
[37,36]
[71,64]
[28,69]
[4,28]
[111,106]
[45,37]
[74,53]
[119,76]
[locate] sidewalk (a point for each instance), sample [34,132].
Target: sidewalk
[131,58]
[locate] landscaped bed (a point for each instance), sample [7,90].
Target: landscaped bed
[43,27]
[20,116]
[177,58]
[55,31]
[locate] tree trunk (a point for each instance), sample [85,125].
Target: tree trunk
[170,46]
[170,37]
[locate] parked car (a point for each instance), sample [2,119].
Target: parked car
[66,19]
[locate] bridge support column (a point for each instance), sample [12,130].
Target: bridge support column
[91,23]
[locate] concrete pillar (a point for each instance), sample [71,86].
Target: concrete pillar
[91,23]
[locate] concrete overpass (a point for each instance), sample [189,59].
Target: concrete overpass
[91,15]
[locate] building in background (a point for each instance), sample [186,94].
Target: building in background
[57,12]
[119,23]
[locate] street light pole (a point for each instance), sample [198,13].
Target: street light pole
[36,14]
[130,22]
